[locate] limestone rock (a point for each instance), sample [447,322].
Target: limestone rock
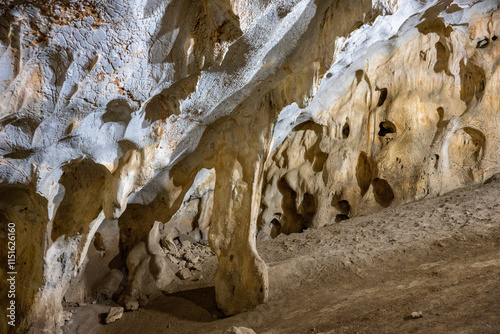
[114,314]
[66,316]
[184,273]
[239,330]
[416,315]
[409,120]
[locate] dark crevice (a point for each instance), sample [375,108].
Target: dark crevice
[319,162]
[359,76]
[308,208]
[275,228]
[483,43]
[423,55]
[341,217]
[386,127]
[383,97]
[291,221]
[382,192]
[344,207]
[345,131]
[364,172]
[435,158]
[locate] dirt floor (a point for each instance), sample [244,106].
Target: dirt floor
[439,258]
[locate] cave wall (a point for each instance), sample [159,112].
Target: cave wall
[125,125]
[416,118]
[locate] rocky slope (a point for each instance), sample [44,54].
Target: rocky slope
[126,125]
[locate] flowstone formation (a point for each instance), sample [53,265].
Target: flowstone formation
[128,127]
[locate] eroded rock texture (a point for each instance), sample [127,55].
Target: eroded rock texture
[127,125]
[414,116]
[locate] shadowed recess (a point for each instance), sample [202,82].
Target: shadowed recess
[473,81]
[346,130]
[364,172]
[83,183]
[383,97]
[466,147]
[382,192]
[117,111]
[386,127]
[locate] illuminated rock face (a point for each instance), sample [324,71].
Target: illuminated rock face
[144,121]
[414,116]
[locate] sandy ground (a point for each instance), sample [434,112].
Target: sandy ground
[440,257]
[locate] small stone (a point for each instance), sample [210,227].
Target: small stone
[416,315]
[66,315]
[239,330]
[173,259]
[131,305]
[193,258]
[187,240]
[184,273]
[195,266]
[115,313]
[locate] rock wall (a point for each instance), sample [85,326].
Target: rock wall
[415,115]
[125,125]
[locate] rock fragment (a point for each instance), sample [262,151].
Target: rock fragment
[114,314]
[66,316]
[184,273]
[239,330]
[416,315]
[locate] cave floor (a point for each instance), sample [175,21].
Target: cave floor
[439,257]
